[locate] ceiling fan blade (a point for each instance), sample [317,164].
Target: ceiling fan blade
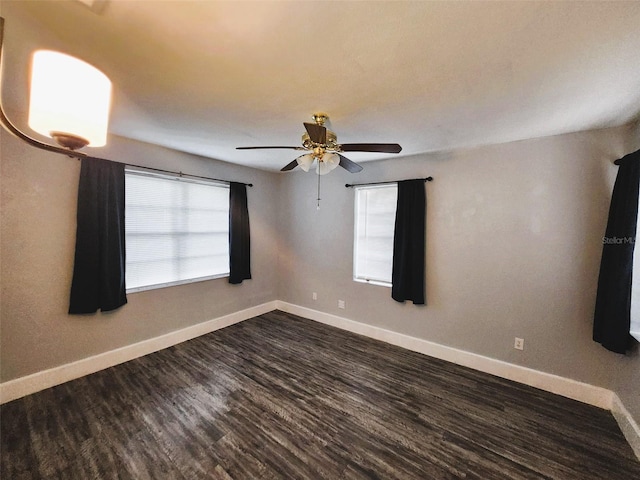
[290,166]
[371,147]
[348,165]
[317,133]
[253,148]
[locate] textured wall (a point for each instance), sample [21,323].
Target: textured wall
[514,236]
[514,239]
[37,243]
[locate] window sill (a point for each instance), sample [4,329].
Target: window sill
[372,282]
[636,334]
[173,284]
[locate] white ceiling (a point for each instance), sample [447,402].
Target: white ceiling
[207,76]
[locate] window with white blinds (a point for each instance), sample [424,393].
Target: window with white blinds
[375,213]
[177,230]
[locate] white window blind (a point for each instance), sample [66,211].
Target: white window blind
[177,230]
[375,212]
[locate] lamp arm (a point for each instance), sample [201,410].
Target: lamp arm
[11,128]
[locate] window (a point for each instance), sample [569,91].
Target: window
[375,212]
[177,230]
[635,283]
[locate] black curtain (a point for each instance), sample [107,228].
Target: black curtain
[613,302]
[239,235]
[99,267]
[407,277]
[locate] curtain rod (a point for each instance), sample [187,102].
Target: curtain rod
[180,174]
[349,185]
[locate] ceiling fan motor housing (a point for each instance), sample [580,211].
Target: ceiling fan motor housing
[332,141]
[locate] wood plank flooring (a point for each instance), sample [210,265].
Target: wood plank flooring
[281,397]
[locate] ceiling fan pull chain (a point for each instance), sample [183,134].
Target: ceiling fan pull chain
[318,206]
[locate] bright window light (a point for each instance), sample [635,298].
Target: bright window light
[635,285]
[375,212]
[177,230]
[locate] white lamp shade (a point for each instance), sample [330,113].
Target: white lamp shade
[305,161]
[328,163]
[69,96]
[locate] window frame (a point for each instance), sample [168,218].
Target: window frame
[141,171]
[360,278]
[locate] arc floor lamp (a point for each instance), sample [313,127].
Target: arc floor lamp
[69,102]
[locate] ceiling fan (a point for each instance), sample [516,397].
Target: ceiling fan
[325,149]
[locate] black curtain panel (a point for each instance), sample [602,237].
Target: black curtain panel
[239,235]
[613,302]
[407,276]
[99,268]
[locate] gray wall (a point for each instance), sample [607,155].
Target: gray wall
[37,221]
[514,239]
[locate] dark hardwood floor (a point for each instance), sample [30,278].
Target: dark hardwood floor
[278,396]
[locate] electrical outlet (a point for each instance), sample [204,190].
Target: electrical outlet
[341,304]
[518,344]
[314,295]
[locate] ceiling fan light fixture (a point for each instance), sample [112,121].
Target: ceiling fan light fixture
[69,100]
[327,163]
[305,161]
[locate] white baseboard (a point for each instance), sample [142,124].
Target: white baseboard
[29,384]
[627,424]
[583,392]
